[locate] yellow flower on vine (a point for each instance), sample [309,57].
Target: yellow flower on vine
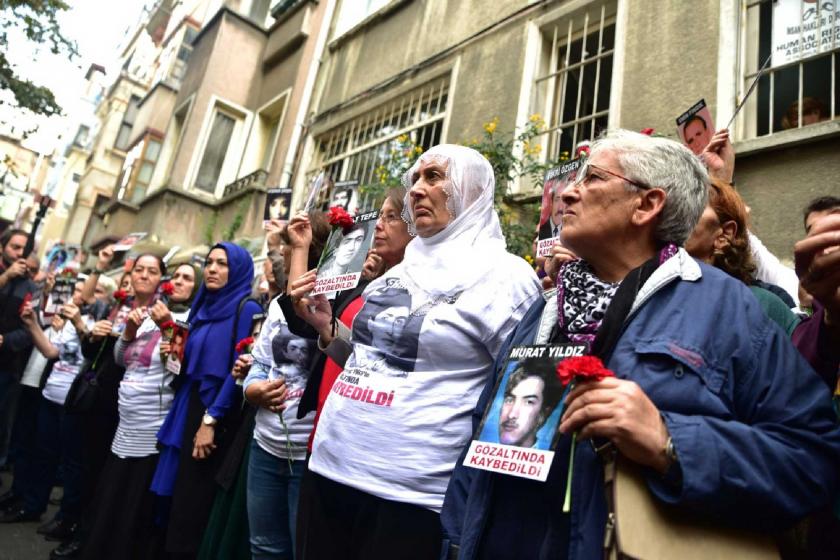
[402,138]
[418,150]
[490,127]
[529,259]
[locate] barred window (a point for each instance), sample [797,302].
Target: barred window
[358,148]
[574,90]
[802,84]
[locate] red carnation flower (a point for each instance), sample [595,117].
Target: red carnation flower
[338,216]
[647,131]
[582,368]
[167,288]
[167,325]
[120,295]
[244,344]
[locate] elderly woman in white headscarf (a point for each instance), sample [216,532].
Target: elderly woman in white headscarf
[420,351]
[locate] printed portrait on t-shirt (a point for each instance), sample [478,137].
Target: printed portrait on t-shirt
[69,353]
[388,331]
[292,356]
[141,351]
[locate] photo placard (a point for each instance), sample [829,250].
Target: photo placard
[695,127]
[519,430]
[278,205]
[177,344]
[340,267]
[551,211]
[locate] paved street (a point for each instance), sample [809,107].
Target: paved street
[19,541]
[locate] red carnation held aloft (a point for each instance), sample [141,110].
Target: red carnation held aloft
[167,288]
[338,216]
[582,368]
[120,295]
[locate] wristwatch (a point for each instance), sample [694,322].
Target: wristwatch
[670,451]
[208,420]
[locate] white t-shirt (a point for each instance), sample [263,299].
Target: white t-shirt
[145,395]
[69,362]
[399,415]
[277,352]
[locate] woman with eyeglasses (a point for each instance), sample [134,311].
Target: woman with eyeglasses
[710,400]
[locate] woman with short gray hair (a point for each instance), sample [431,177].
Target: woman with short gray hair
[725,418]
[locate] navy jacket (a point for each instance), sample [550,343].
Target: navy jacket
[752,424]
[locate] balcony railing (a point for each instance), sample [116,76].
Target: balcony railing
[256,179]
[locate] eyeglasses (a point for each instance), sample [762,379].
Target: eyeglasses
[389,218]
[585,176]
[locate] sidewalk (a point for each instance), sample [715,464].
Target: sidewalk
[19,541]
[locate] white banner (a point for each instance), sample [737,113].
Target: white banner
[802,28]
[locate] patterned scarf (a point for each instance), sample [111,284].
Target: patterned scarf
[582,298]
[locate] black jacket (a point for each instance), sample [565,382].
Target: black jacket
[17,342]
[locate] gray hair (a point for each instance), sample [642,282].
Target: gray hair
[666,164]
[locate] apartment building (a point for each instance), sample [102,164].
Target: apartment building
[438,70]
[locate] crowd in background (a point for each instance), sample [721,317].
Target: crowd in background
[725,362]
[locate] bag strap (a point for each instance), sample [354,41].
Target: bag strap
[604,345]
[233,340]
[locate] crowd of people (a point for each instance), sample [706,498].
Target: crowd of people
[333,426]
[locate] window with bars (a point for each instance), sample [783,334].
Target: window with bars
[358,148]
[573,91]
[801,85]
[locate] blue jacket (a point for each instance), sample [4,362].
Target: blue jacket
[752,424]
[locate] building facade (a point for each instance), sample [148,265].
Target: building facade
[438,71]
[211,135]
[220,100]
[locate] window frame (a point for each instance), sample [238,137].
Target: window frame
[233,153]
[382,113]
[741,29]
[556,31]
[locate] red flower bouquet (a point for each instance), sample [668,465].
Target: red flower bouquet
[570,372]
[244,345]
[338,216]
[167,288]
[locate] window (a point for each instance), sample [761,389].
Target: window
[355,150]
[801,86]
[170,145]
[182,56]
[137,169]
[214,152]
[259,11]
[262,143]
[353,12]
[573,92]
[82,136]
[124,134]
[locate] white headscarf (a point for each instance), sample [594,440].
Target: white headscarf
[471,244]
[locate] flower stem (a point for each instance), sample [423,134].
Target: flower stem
[288,440]
[567,501]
